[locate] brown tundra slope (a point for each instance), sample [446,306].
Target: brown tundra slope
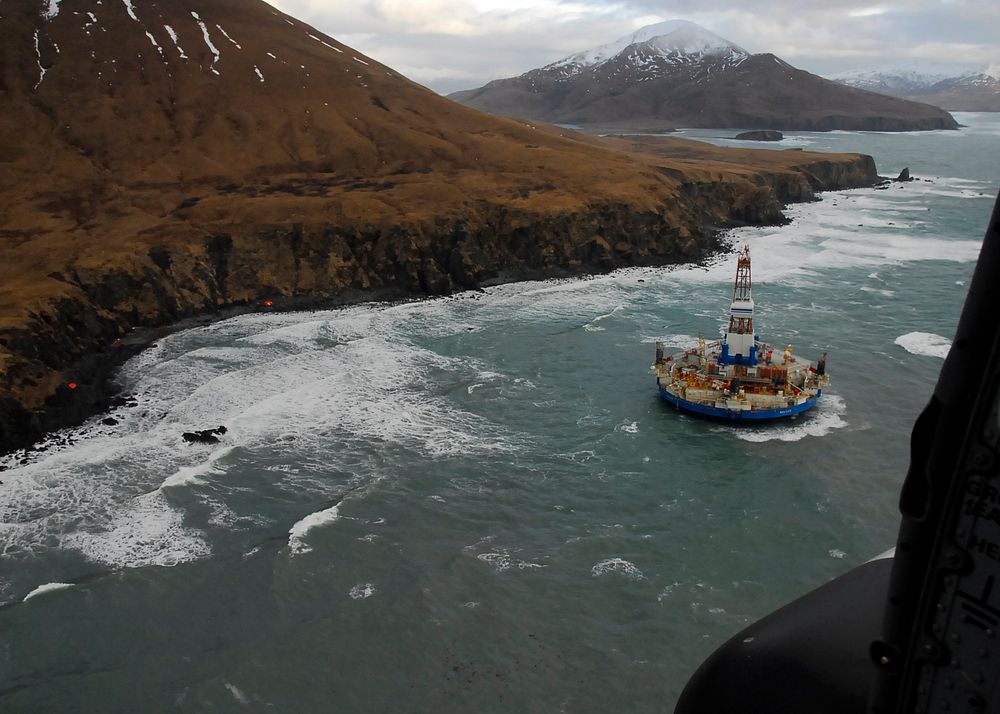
[161,159]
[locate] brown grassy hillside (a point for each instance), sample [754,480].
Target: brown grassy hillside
[167,158]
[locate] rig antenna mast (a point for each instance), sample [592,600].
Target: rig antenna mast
[740,343]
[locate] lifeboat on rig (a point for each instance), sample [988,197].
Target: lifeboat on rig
[739,377]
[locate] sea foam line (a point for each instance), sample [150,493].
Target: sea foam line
[592,326]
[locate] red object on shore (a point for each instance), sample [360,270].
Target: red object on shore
[268,303]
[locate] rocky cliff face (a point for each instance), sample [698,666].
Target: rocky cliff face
[78,333]
[178,158]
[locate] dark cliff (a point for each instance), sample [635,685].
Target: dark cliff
[81,325]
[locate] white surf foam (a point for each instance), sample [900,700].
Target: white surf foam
[878,291]
[682,342]
[149,531]
[97,497]
[370,384]
[502,558]
[926,344]
[47,588]
[846,229]
[617,566]
[361,591]
[571,301]
[826,416]
[297,533]
[370,388]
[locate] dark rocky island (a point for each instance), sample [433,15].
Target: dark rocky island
[761,135]
[149,178]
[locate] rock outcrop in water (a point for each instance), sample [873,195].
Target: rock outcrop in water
[760,135]
[152,175]
[204,436]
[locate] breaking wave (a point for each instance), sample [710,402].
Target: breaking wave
[297,533]
[47,588]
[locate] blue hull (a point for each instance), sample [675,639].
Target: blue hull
[748,415]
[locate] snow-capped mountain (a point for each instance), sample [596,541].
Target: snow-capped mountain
[673,42]
[897,81]
[676,73]
[959,89]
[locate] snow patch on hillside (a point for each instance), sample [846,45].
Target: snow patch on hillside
[326,44]
[226,34]
[155,43]
[173,36]
[51,9]
[129,9]
[208,41]
[38,54]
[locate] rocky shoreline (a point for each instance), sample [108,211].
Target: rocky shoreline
[61,361]
[173,192]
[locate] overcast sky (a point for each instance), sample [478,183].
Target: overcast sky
[449,45]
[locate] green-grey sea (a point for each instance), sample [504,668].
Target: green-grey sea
[479,503]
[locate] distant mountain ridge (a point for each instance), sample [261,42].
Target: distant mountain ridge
[974,89]
[678,74]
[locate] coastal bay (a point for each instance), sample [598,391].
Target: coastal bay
[478,501]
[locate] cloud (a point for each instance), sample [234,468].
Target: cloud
[426,16]
[451,45]
[867,12]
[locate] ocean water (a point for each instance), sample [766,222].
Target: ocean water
[479,503]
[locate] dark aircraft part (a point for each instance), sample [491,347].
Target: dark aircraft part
[939,650]
[938,610]
[809,657]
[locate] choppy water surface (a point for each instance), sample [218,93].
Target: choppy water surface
[479,503]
